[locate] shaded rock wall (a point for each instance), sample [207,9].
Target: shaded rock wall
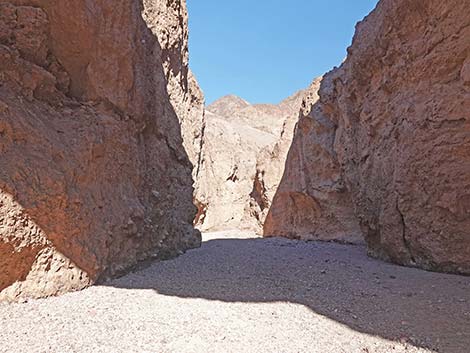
[397,114]
[94,175]
[312,202]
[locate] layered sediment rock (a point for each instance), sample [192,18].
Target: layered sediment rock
[396,115]
[94,175]
[243,156]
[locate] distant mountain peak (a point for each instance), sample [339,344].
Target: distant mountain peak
[227,104]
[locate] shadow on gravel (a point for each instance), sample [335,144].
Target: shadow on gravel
[340,282]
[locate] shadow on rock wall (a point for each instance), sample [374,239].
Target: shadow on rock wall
[94,176]
[312,202]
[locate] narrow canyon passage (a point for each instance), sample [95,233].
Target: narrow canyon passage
[134,217]
[243,294]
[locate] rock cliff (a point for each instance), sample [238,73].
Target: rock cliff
[393,126]
[401,102]
[312,202]
[97,105]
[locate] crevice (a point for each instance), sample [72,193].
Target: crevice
[406,243]
[233,177]
[258,193]
[201,149]
[201,212]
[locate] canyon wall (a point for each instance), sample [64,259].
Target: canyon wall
[393,124]
[243,154]
[97,105]
[312,202]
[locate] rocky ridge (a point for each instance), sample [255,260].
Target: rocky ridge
[244,150]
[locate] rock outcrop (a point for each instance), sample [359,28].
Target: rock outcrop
[243,156]
[402,105]
[397,115]
[312,202]
[94,175]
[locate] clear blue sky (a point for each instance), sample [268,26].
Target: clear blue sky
[265,50]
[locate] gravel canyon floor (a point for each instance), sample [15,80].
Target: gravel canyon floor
[244,294]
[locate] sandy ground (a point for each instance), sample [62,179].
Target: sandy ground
[238,294]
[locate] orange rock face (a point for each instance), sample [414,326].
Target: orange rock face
[398,113]
[94,175]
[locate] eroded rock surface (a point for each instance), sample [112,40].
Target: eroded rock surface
[312,202]
[402,104]
[396,115]
[243,155]
[94,174]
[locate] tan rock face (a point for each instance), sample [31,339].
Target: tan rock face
[94,174]
[396,115]
[402,105]
[243,155]
[312,202]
